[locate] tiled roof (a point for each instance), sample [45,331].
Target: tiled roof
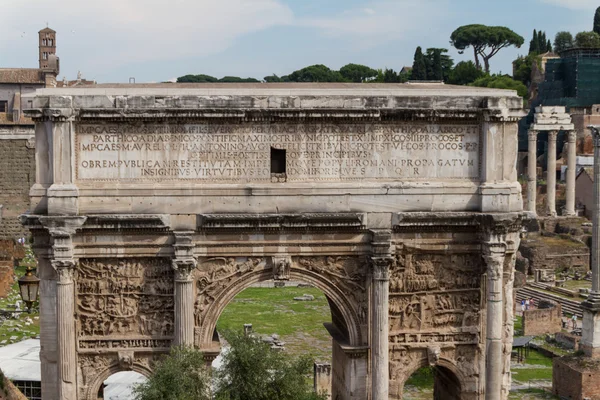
[21,75]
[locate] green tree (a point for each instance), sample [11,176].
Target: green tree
[390,76]
[230,79]
[439,64]
[252,371]
[464,73]
[534,43]
[597,21]
[314,73]
[549,46]
[486,41]
[181,375]
[272,78]
[419,68]
[522,67]
[587,40]
[563,41]
[542,43]
[501,82]
[197,78]
[358,73]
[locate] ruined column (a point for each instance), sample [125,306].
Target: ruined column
[380,328]
[571,171]
[65,313]
[184,265]
[551,174]
[494,253]
[532,171]
[590,340]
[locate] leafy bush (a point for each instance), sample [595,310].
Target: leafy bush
[501,82]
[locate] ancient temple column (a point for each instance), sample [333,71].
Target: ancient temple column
[65,313]
[590,340]
[494,253]
[184,302]
[551,174]
[532,171]
[184,265]
[571,171]
[380,328]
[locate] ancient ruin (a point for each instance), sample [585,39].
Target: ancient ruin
[155,205]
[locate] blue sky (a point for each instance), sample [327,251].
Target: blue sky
[157,40]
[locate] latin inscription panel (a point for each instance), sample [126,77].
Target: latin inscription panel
[241,153]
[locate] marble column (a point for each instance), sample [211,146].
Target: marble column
[551,174]
[184,302]
[532,171]
[571,171]
[380,328]
[65,313]
[590,340]
[494,253]
[184,265]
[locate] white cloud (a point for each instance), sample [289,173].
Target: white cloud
[574,4]
[113,32]
[384,20]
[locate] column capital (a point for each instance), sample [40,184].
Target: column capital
[572,136]
[381,267]
[595,134]
[532,134]
[183,268]
[552,135]
[65,269]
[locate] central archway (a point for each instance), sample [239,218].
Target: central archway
[348,299]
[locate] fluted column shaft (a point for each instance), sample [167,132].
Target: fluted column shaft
[65,312]
[494,257]
[532,171]
[551,174]
[380,332]
[571,171]
[184,307]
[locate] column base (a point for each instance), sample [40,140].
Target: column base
[590,340]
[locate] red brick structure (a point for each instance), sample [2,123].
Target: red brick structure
[576,378]
[546,319]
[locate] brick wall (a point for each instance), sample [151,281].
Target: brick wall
[542,321]
[576,378]
[17,175]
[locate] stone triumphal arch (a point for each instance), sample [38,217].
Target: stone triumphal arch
[155,205]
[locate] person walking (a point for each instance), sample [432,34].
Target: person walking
[527,303]
[574,320]
[522,305]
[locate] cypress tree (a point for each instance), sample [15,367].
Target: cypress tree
[549,46]
[533,43]
[597,21]
[541,42]
[419,70]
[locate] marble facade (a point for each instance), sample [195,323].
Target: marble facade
[155,205]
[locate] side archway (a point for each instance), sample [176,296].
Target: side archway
[346,294]
[96,382]
[449,381]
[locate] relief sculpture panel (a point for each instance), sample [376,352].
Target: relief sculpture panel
[124,303]
[435,296]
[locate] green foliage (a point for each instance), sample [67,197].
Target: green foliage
[563,41]
[539,44]
[314,73]
[501,82]
[272,78]
[196,79]
[181,375]
[358,73]
[549,46]
[252,371]
[419,69]
[533,43]
[597,21]
[464,73]
[522,67]
[587,40]
[486,41]
[439,64]
[230,79]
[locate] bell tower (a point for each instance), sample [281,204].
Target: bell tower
[47,46]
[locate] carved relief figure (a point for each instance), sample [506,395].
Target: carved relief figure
[124,297]
[281,268]
[214,275]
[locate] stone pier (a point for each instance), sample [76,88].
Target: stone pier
[155,205]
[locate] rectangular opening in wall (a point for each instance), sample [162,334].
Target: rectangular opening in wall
[3,106]
[278,165]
